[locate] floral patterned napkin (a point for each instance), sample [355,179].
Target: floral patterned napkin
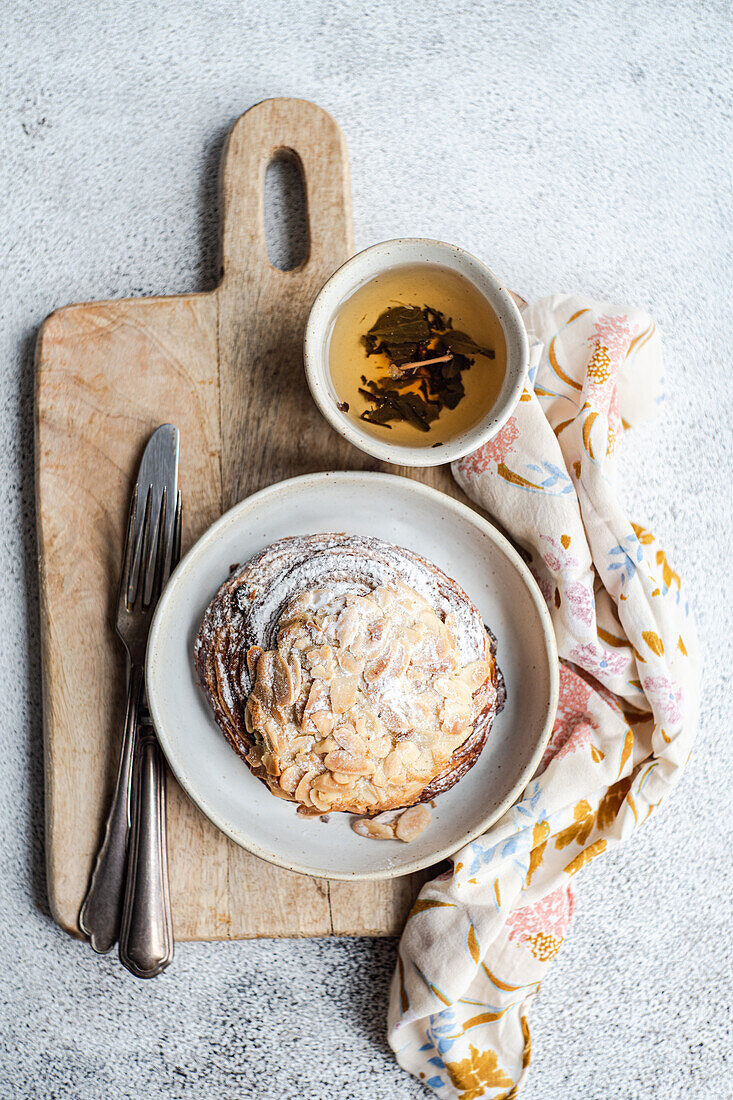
[480,938]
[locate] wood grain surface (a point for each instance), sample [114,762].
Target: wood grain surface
[226,367]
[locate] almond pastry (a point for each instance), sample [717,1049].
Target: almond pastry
[351,675]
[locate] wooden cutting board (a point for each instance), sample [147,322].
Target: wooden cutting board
[226,368]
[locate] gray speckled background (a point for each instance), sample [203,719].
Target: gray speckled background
[573,145]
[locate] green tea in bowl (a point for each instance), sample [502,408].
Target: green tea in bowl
[415,352]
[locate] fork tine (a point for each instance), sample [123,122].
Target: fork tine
[155,550]
[176,548]
[168,555]
[142,542]
[128,551]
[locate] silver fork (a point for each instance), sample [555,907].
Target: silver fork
[146,936]
[149,548]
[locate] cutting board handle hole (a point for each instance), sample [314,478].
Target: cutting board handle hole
[286,212]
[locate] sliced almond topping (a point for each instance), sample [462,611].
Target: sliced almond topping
[400,661]
[378,667]
[370,796]
[253,655]
[393,765]
[290,778]
[342,778]
[296,673]
[340,761]
[323,720]
[380,747]
[475,674]
[302,791]
[358,645]
[264,668]
[257,714]
[393,719]
[327,785]
[349,740]
[412,822]
[425,709]
[343,694]
[322,661]
[349,663]
[276,740]
[455,717]
[379,779]
[375,830]
[410,638]
[248,720]
[409,599]
[290,634]
[270,763]
[392,661]
[282,681]
[320,800]
[325,746]
[347,626]
[301,744]
[453,688]
[317,700]
[377,637]
[325,671]
[407,751]
[253,755]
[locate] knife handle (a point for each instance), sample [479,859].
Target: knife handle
[146,936]
[102,909]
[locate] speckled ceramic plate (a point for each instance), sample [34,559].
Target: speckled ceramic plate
[439,528]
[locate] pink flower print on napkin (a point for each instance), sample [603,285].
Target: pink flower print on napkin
[612,336]
[493,452]
[541,927]
[599,661]
[574,734]
[614,333]
[573,723]
[665,695]
[579,599]
[558,556]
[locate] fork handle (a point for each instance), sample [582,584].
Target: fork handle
[101,912]
[146,937]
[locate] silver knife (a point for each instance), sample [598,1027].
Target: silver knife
[152,533]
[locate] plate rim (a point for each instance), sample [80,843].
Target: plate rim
[451,504]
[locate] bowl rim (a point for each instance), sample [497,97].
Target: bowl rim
[317,370]
[191,562]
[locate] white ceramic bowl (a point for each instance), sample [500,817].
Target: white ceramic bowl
[407,513]
[359,270]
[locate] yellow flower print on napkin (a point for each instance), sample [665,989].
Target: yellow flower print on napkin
[477,1073]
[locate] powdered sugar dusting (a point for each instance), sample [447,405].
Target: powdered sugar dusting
[348,565]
